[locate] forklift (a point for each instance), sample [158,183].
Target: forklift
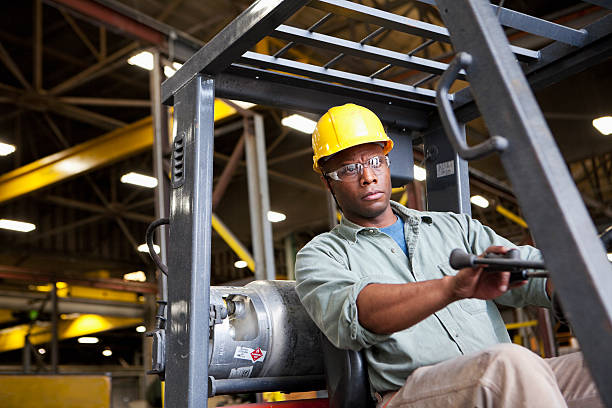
[223,340]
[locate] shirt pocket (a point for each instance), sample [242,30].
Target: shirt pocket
[471,306]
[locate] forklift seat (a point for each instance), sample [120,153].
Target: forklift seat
[346,374]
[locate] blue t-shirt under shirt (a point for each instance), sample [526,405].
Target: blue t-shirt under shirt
[396,231]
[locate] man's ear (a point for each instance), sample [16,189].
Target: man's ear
[325,183]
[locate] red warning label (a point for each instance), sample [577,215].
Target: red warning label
[256,354]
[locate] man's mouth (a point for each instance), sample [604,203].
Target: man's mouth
[373,195]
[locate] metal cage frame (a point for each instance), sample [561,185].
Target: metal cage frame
[225,67]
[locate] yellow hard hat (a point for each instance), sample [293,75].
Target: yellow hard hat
[346,126]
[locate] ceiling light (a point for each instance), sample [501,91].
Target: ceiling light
[479,201]
[139,180]
[603,124]
[16,225]
[419,173]
[88,340]
[610,256]
[138,276]
[41,351]
[107,352]
[143,60]
[141,329]
[299,122]
[242,104]
[274,216]
[169,71]
[144,248]
[6,149]
[240,264]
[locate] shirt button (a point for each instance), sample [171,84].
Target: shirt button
[393,250]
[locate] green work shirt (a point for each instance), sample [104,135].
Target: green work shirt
[335,266]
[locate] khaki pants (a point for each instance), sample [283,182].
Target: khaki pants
[505,375]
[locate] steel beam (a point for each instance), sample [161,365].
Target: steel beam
[241,34]
[87,156]
[290,92]
[579,266]
[533,25]
[159,113]
[83,325]
[336,76]
[190,255]
[30,275]
[128,103]
[38,46]
[6,59]
[359,50]
[259,198]
[399,23]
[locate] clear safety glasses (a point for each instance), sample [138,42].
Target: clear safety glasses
[352,171]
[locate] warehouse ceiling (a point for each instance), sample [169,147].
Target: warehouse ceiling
[69,83]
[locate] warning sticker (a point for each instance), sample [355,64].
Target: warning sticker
[253,355]
[241,372]
[445,168]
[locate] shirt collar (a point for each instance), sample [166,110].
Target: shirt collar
[349,229]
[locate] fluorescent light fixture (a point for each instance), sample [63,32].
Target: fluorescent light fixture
[141,329]
[240,264]
[610,256]
[144,248]
[107,352]
[603,124]
[139,180]
[6,149]
[419,173]
[138,276]
[41,351]
[242,104]
[170,70]
[88,340]
[479,201]
[16,225]
[274,216]
[143,59]
[300,123]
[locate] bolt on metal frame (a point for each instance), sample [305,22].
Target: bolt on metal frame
[226,67]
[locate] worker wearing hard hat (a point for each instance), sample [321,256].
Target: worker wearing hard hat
[380,282]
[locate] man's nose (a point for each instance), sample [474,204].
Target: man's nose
[368,176]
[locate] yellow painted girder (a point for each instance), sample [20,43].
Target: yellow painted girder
[87,156]
[13,338]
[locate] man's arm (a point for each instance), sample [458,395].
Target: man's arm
[387,308]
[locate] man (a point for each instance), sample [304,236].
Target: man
[380,282]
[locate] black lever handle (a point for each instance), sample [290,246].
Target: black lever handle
[510,261]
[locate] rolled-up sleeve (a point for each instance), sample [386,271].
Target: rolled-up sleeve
[533,293]
[328,289]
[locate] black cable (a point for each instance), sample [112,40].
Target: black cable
[149,236]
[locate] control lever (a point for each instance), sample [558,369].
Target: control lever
[510,261]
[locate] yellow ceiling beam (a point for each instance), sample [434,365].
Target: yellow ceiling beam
[13,338]
[87,156]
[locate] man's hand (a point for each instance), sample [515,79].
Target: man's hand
[475,283]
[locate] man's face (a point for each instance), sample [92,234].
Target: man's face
[365,199]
